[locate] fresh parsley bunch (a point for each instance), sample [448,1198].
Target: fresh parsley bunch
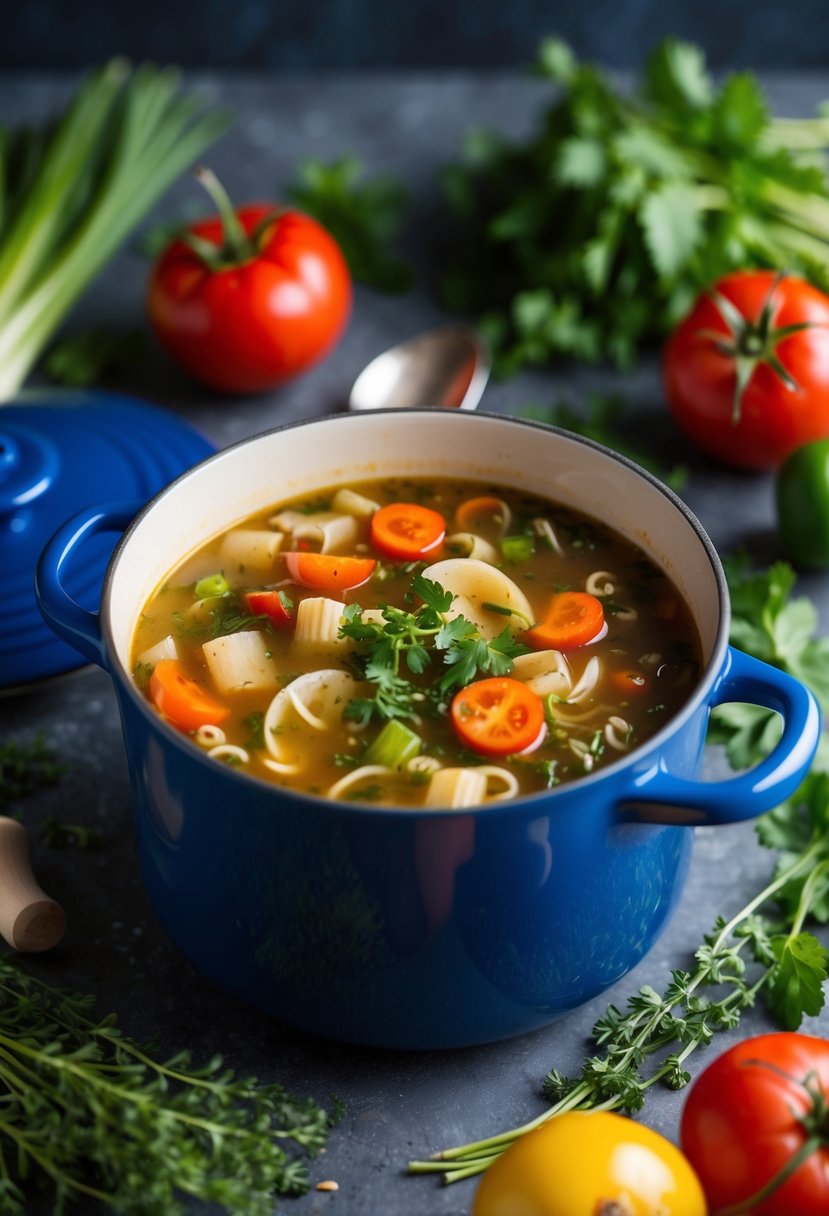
[594,236]
[407,641]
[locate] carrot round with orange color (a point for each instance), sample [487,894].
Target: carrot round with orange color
[328,571]
[499,716]
[407,531]
[479,510]
[629,682]
[184,701]
[572,619]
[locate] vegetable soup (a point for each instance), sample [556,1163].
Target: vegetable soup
[417,643]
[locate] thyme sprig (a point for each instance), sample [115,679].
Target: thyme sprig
[762,949]
[89,1114]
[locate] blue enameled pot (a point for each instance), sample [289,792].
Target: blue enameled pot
[404,928]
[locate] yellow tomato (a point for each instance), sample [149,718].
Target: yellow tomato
[590,1164]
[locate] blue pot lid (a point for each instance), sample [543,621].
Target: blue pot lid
[60,453]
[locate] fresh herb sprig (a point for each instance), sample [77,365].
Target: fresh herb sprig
[363,214]
[762,949]
[772,624]
[90,1115]
[593,236]
[24,769]
[412,638]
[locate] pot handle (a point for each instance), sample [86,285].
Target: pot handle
[72,623]
[658,796]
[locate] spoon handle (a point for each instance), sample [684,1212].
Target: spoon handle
[29,919]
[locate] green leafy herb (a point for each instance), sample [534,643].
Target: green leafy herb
[415,637]
[24,769]
[141,674]
[769,623]
[593,236]
[224,615]
[84,359]
[363,215]
[599,420]
[762,950]
[90,1115]
[76,187]
[255,725]
[58,834]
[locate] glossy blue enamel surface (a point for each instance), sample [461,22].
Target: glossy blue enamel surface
[399,929]
[424,929]
[60,452]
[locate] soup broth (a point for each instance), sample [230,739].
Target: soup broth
[417,643]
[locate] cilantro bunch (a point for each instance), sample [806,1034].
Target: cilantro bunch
[595,235]
[407,642]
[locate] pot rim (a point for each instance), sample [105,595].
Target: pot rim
[542,800]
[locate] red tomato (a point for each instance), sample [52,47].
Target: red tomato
[777,413]
[498,717]
[407,531]
[748,1114]
[262,314]
[328,572]
[272,605]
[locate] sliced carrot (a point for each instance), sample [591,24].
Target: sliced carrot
[630,683]
[573,618]
[407,531]
[479,510]
[271,604]
[181,699]
[498,717]
[328,572]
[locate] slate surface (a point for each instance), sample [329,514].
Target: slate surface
[398,1105]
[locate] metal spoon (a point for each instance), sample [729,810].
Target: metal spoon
[447,368]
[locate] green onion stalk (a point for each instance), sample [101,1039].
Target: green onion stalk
[71,193]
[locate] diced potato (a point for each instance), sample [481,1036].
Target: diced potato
[249,553]
[165,649]
[240,662]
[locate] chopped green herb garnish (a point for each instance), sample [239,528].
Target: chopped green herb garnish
[365,793]
[255,726]
[141,674]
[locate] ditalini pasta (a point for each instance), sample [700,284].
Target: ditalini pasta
[417,643]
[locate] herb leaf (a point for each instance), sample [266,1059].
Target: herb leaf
[363,214]
[796,985]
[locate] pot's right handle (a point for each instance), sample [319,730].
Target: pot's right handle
[72,623]
[658,796]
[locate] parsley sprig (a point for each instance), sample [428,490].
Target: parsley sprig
[592,236]
[409,640]
[772,624]
[762,950]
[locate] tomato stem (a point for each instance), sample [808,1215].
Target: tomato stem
[745,1206]
[235,246]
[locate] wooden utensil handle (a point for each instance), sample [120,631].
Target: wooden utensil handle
[29,919]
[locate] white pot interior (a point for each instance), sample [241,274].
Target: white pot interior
[336,451]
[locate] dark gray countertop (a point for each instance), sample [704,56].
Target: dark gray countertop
[398,1105]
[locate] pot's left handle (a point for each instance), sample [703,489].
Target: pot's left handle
[72,623]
